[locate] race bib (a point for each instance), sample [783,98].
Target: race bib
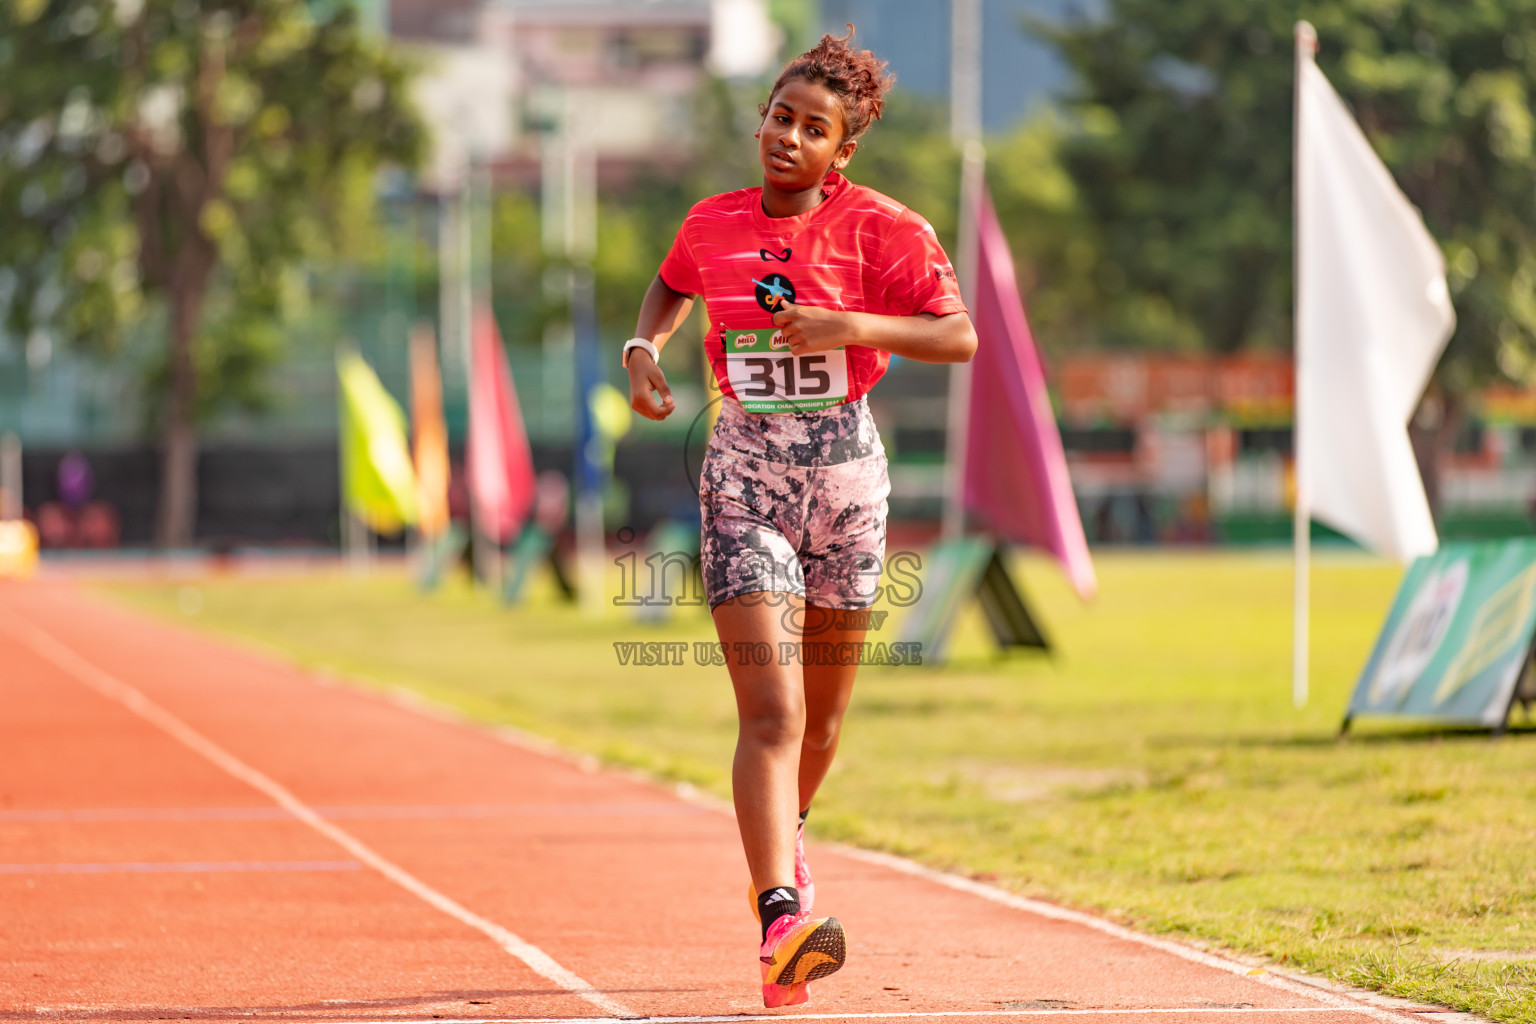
[766,377]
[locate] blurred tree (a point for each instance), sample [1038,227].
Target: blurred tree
[799,21]
[189,155]
[907,155]
[1173,226]
[1041,210]
[637,221]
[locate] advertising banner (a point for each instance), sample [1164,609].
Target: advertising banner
[1457,636]
[954,571]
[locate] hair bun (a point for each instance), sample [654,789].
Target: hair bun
[857,77]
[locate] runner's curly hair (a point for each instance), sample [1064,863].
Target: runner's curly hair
[857,77]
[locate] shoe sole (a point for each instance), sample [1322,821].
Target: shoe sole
[784,995]
[819,952]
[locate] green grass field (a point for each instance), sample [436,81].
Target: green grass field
[1153,770]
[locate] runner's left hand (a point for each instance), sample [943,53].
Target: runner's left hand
[811,329]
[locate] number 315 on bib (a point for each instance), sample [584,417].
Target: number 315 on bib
[766,377]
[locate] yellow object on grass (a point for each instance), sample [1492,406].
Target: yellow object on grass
[610,411]
[18,549]
[378,481]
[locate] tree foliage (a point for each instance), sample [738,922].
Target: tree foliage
[190,156]
[1172,225]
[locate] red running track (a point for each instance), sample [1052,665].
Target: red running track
[190,830]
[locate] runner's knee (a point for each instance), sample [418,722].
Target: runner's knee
[821,735]
[773,723]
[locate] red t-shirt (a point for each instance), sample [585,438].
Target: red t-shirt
[856,250]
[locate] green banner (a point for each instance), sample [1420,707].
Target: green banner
[1457,637]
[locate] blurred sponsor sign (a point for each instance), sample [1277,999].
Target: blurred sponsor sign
[1128,388]
[1511,405]
[1457,638]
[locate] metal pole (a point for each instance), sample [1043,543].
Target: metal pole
[1306,51]
[11,505]
[462,301]
[579,188]
[965,128]
[964,71]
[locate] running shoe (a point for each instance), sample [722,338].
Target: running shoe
[798,951]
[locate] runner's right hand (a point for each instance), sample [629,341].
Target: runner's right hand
[646,381]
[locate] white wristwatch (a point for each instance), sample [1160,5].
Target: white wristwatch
[639,343]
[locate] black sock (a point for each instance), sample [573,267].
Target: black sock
[803,815]
[775,903]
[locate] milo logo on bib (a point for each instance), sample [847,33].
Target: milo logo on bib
[766,377]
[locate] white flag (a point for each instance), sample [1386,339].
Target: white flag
[1373,316]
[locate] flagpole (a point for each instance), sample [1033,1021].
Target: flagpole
[1306,53]
[464,321]
[965,84]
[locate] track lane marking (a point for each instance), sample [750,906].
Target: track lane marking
[1055,913]
[53,650]
[888,1015]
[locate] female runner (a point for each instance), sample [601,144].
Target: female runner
[811,284]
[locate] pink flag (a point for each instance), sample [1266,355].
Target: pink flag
[501,482]
[1015,471]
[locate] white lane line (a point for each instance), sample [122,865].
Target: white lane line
[1050,910]
[745,1017]
[109,686]
[160,867]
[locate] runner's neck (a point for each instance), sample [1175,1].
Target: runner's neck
[778,204]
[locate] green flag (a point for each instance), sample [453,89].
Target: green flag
[378,484]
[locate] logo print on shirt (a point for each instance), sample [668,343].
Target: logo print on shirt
[769,254]
[773,291]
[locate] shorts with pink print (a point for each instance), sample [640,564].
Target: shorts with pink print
[794,503]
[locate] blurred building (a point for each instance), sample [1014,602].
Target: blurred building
[1018,70]
[505,75]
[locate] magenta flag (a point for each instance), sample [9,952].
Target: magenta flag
[1015,470]
[501,482]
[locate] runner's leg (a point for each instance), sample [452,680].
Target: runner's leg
[828,688]
[770,706]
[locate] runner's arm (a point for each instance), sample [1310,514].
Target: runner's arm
[925,338]
[662,312]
